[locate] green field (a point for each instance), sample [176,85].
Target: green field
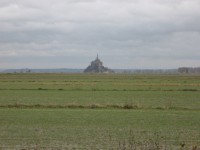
[99,111]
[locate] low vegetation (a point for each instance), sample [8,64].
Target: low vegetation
[99,111]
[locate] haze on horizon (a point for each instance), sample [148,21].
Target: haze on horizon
[126,34]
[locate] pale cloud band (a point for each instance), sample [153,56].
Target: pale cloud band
[126,34]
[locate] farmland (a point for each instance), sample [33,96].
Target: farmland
[99,111]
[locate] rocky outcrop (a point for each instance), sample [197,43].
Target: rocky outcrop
[96,66]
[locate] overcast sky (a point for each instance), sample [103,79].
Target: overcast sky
[125,33]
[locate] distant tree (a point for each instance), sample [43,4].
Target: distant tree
[189,70]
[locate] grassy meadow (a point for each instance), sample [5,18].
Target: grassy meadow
[99,111]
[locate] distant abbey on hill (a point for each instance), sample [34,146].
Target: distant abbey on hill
[96,66]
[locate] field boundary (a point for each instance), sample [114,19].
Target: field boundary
[91,106]
[117,90]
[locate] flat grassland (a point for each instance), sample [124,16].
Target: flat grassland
[99,111]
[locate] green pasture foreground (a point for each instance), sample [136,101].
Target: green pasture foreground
[99,82]
[98,129]
[113,111]
[106,99]
[139,91]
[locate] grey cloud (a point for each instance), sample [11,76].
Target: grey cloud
[132,31]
